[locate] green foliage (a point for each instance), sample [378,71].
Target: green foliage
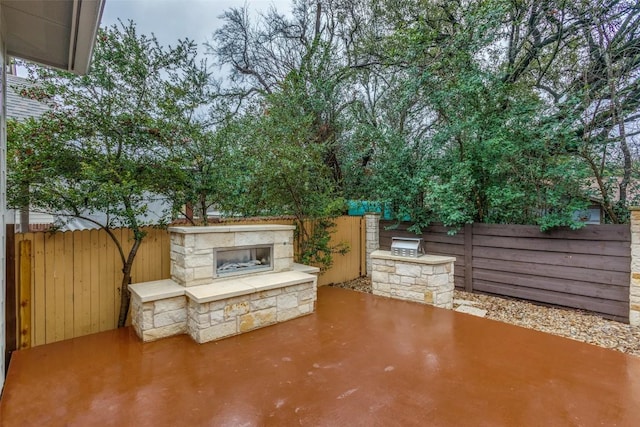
[105,144]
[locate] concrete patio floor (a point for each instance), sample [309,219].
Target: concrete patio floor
[359,360]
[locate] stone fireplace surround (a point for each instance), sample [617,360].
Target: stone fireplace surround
[208,307]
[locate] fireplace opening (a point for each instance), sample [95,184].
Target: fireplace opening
[243,260]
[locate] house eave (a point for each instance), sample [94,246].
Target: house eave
[57,33]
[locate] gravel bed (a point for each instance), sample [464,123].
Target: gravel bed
[575,324]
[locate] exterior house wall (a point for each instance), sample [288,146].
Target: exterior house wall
[3,197]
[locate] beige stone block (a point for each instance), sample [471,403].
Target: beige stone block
[263,303]
[214,240]
[428,297]
[201,260]
[177,239]
[438,280]
[169,318]
[307,295]
[266,294]
[394,279]
[378,276]
[444,300]
[283,264]
[383,287]
[282,251]
[201,308]
[217,305]
[178,274]
[164,332]
[439,269]
[634,318]
[384,268]
[216,317]
[251,238]
[287,301]
[306,308]
[236,309]
[257,319]
[427,270]
[635,307]
[288,314]
[407,295]
[169,304]
[408,270]
[202,320]
[205,272]
[146,318]
[217,331]
[178,259]
[404,280]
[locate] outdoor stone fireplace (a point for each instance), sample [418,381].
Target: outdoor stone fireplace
[225,280]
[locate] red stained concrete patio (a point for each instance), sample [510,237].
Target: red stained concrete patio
[359,360]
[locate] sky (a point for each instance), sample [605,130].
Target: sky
[171,20]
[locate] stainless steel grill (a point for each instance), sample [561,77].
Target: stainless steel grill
[407,246]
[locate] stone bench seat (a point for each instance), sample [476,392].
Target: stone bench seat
[245,285]
[227,307]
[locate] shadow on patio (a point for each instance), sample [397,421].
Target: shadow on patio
[359,360]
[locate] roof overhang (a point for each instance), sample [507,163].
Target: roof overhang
[57,33]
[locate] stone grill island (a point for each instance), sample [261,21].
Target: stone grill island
[225,280]
[427,279]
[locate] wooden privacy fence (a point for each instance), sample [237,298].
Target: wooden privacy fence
[68,283]
[587,269]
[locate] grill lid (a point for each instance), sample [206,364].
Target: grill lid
[407,246]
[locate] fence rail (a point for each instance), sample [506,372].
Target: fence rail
[587,269]
[68,283]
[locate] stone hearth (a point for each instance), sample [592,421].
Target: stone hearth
[208,302]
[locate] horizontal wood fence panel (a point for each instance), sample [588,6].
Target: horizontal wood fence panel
[603,232]
[612,310]
[598,262]
[587,269]
[575,287]
[612,278]
[587,247]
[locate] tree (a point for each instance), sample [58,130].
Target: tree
[103,147]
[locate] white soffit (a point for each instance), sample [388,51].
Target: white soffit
[58,33]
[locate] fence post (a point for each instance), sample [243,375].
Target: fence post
[634,286]
[24,294]
[372,220]
[468,257]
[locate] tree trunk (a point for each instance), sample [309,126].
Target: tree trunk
[125,294]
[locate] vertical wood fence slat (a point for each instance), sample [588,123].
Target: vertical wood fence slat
[12,333]
[94,268]
[67,262]
[39,286]
[24,294]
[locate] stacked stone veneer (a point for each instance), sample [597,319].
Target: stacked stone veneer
[213,320]
[193,248]
[207,307]
[634,291]
[372,238]
[427,279]
[161,318]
